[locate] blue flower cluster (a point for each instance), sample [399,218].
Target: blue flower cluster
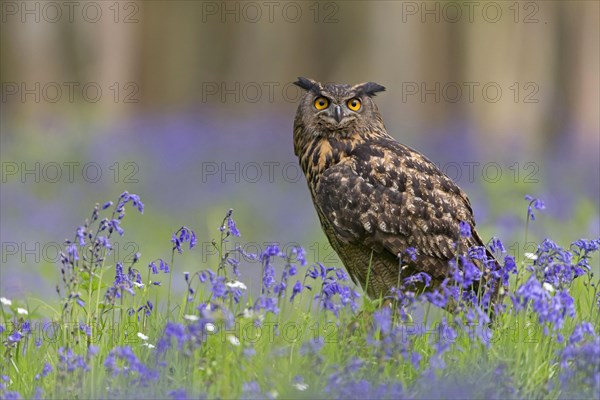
[217,301]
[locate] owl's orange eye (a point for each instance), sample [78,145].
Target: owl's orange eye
[321,103]
[354,104]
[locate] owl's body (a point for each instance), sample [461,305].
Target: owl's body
[375,197]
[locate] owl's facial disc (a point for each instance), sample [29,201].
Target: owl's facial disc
[336,116]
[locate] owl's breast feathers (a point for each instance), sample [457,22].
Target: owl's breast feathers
[381,195]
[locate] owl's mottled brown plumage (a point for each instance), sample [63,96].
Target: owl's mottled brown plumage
[376,197]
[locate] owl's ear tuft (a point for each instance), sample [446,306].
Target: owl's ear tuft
[305,83]
[369,88]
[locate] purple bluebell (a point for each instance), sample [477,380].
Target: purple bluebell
[465,229]
[419,277]
[115,224]
[496,245]
[478,253]
[296,289]
[580,370]
[178,394]
[46,369]
[69,361]
[232,227]
[135,200]
[412,253]
[536,204]
[153,268]
[183,235]
[80,235]
[85,329]
[121,360]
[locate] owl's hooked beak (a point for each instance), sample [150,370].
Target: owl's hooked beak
[338,114]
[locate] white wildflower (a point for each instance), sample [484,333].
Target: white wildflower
[233,340]
[236,285]
[5,301]
[301,386]
[531,256]
[22,311]
[548,287]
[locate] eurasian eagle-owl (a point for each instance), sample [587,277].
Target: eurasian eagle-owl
[376,197]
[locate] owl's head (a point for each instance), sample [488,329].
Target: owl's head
[332,110]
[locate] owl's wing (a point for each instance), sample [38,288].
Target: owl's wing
[389,197]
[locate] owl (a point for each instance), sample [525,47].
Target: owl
[387,211]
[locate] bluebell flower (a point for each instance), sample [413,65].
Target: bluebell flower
[163,266]
[146,308]
[38,393]
[465,229]
[557,266]
[437,298]
[178,394]
[80,235]
[72,252]
[232,228]
[135,200]
[219,290]
[341,275]
[471,272]
[318,270]
[11,395]
[183,235]
[419,277]
[583,249]
[46,369]
[383,320]
[331,286]
[249,352]
[115,224]
[536,204]
[69,361]
[296,290]
[85,329]
[121,360]
[552,309]
[312,347]
[268,304]
[477,253]
[92,350]
[14,338]
[153,268]
[251,389]
[496,244]
[271,251]
[580,370]
[412,253]
[581,330]
[585,245]
[104,242]
[510,266]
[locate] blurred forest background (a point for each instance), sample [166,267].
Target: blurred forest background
[189,104]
